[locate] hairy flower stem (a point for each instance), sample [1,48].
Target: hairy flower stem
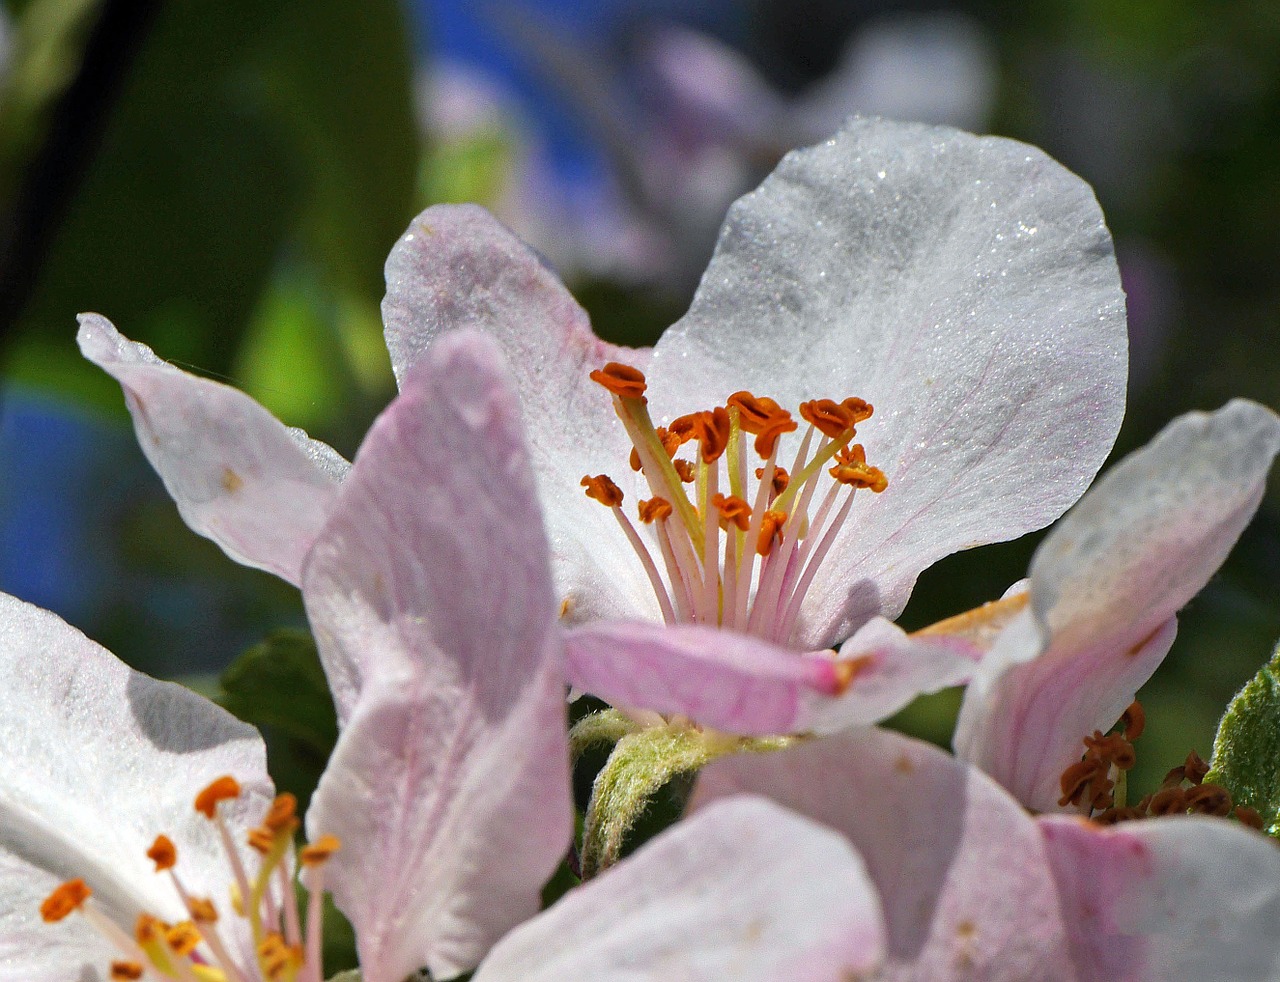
[605,726]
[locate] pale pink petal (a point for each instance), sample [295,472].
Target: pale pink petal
[885,669]
[431,601]
[457,267]
[1185,899]
[961,870]
[722,679]
[239,476]
[963,285]
[1105,586]
[97,760]
[741,892]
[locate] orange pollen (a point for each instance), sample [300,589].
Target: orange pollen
[733,510]
[771,525]
[282,815]
[684,470]
[202,910]
[183,938]
[860,409]
[764,418]
[225,788]
[829,417]
[126,971]
[603,490]
[277,957]
[713,428]
[319,851]
[148,930]
[656,509]
[1134,721]
[780,479]
[622,380]
[261,839]
[66,898]
[851,468]
[163,853]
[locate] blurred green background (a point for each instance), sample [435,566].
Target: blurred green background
[224,179]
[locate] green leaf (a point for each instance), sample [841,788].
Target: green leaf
[1246,751]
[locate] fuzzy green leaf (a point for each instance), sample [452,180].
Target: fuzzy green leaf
[1246,751]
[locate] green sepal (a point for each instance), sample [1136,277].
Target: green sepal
[1246,751]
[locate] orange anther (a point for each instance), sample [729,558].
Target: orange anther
[762,417]
[656,509]
[634,459]
[317,852]
[183,938]
[712,430]
[163,853]
[1249,816]
[780,479]
[202,910]
[277,957]
[771,526]
[126,971]
[1134,721]
[1209,799]
[147,930]
[851,468]
[603,490]
[225,788]
[684,471]
[670,441]
[859,409]
[849,669]
[827,416]
[1079,778]
[622,380]
[282,816]
[733,510]
[1112,749]
[1195,768]
[261,839]
[1168,801]
[66,898]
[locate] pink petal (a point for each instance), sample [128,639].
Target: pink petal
[741,892]
[238,475]
[966,287]
[1168,899]
[431,601]
[962,872]
[722,679]
[97,760]
[458,267]
[886,668]
[1105,586]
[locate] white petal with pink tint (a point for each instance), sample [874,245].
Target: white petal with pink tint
[431,601]
[239,476]
[963,285]
[961,870]
[98,759]
[1105,586]
[742,892]
[1185,899]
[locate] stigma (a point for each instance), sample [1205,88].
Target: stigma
[734,538]
[261,896]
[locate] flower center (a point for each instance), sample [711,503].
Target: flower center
[194,950]
[746,558]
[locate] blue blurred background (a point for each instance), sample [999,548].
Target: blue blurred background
[223,179]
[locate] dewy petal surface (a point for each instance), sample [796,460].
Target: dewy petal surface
[260,490]
[1105,586]
[458,267]
[98,760]
[961,869]
[964,286]
[741,892]
[1186,899]
[430,596]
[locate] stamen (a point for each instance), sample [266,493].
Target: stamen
[851,468]
[827,416]
[771,526]
[655,509]
[318,852]
[126,971]
[163,853]
[225,788]
[600,488]
[69,897]
[733,511]
[622,380]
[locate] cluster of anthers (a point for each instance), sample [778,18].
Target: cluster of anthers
[1096,784]
[196,950]
[773,519]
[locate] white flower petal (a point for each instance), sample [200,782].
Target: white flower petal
[260,490]
[966,287]
[430,596]
[457,267]
[98,760]
[745,891]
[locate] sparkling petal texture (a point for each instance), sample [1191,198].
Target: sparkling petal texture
[1105,586]
[889,669]
[430,597]
[733,682]
[97,761]
[1168,900]
[741,892]
[457,267]
[961,870]
[966,287]
[260,490]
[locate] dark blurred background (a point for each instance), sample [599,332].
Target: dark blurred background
[223,179]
